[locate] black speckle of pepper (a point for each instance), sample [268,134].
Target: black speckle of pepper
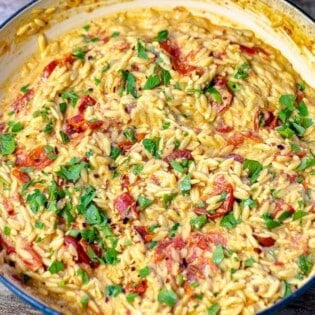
[133,268]
[90,57]
[125,220]
[280,146]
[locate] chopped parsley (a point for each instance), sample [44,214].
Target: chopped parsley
[130,297]
[242,71]
[70,95]
[270,222]
[115,152]
[185,185]
[141,50]
[254,168]
[130,134]
[162,36]
[144,272]
[218,254]
[144,202]
[152,146]
[199,221]
[72,171]
[229,221]
[305,264]
[79,53]
[24,89]
[36,200]
[287,289]
[167,297]
[7,144]
[83,275]
[152,82]
[129,83]
[215,94]
[167,199]
[113,290]
[214,309]
[56,267]
[137,169]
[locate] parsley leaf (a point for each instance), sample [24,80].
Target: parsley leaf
[70,95]
[152,146]
[215,94]
[113,290]
[7,144]
[79,53]
[198,222]
[24,89]
[144,272]
[254,169]
[270,222]
[167,297]
[162,36]
[56,267]
[114,152]
[242,71]
[306,162]
[218,254]
[229,221]
[141,50]
[152,82]
[185,184]
[144,202]
[167,199]
[72,172]
[83,275]
[36,200]
[130,134]
[213,309]
[305,264]
[129,83]
[165,77]
[287,289]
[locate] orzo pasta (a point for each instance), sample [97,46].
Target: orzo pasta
[155,163]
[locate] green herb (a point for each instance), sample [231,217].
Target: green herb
[167,199]
[185,184]
[56,267]
[64,137]
[270,222]
[86,27]
[36,200]
[166,125]
[302,109]
[72,172]
[177,166]
[152,82]
[84,300]
[130,134]
[137,169]
[113,290]
[233,86]
[130,297]
[48,129]
[115,34]
[285,132]
[242,71]
[180,279]
[15,126]
[305,264]
[214,309]
[167,297]
[254,169]
[105,67]
[165,77]
[218,254]
[129,83]
[79,53]
[7,230]
[162,36]
[249,202]
[115,152]
[152,227]
[176,143]
[144,202]
[284,215]
[63,107]
[300,86]
[39,225]
[7,144]
[141,50]
[249,262]
[306,162]
[97,81]
[198,222]
[24,89]
[83,275]
[111,256]
[70,95]
[287,289]
[295,148]
[215,94]
[299,215]
[153,244]
[229,221]
[144,272]
[174,229]
[152,146]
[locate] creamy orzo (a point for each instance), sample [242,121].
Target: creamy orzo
[155,163]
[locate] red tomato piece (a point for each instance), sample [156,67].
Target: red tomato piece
[2,127]
[170,48]
[179,154]
[125,204]
[182,67]
[236,157]
[36,158]
[86,101]
[220,84]
[23,177]
[265,241]
[75,124]
[94,125]
[4,244]
[138,288]
[35,262]
[22,100]
[49,69]
[82,255]
[222,127]
[265,119]
[144,233]
[250,50]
